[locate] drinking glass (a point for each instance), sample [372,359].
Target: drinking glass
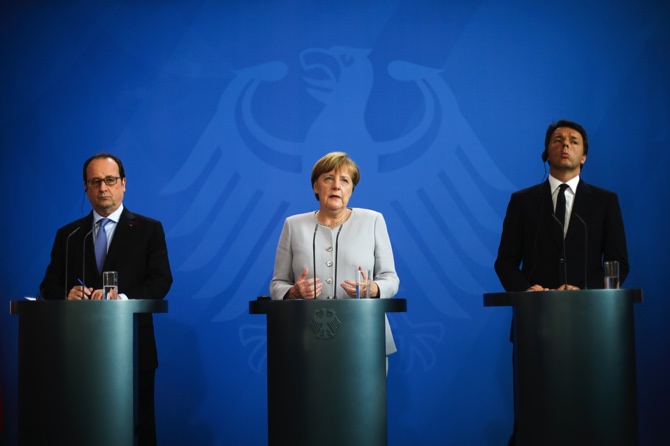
[110,285]
[611,275]
[362,283]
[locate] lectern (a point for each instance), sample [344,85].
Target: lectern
[575,366]
[76,370]
[327,370]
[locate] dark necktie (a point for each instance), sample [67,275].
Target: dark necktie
[101,244]
[560,204]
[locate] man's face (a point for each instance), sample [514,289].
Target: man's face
[566,150]
[104,199]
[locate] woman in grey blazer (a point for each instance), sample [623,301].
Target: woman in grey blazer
[319,251]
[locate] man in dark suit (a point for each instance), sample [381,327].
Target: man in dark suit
[549,245]
[135,248]
[537,247]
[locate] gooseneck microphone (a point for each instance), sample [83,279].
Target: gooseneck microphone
[83,255]
[337,240]
[586,244]
[537,250]
[67,258]
[314,257]
[565,260]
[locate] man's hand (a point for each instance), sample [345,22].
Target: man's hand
[79,293]
[566,287]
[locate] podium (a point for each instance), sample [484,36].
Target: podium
[77,370]
[574,365]
[327,370]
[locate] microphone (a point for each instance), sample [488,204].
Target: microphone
[537,250]
[67,257]
[586,239]
[314,257]
[83,255]
[337,239]
[565,260]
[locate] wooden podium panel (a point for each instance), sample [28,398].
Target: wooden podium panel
[77,370]
[574,365]
[327,370]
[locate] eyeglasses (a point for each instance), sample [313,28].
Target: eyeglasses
[109,181]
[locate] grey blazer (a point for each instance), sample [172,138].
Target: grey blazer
[362,241]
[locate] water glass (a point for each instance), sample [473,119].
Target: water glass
[611,275]
[362,283]
[110,285]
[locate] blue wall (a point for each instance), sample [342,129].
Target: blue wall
[219,110]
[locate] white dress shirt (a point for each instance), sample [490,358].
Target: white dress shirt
[569,197]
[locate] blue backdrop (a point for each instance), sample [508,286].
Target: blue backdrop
[219,110]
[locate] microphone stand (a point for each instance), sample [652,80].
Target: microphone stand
[314,258]
[337,240]
[83,257]
[67,258]
[565,260]
[586,282]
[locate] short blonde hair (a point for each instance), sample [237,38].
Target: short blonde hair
[335,161]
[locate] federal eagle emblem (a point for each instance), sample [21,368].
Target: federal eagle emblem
[426,170]
[324,324]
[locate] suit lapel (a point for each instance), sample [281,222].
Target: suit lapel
[121,237]
[581,206]
[90,269]
[548,216]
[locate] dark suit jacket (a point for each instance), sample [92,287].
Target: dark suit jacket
[531,239]
[138,252]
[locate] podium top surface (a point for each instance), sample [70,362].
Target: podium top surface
[511,299]
[385,305]
[130,306]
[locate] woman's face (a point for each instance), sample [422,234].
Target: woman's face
[334,189]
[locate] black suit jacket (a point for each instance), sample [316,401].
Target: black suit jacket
[531,251]
[138,252]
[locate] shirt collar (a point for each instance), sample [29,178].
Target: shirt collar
[114,216]
[572,184]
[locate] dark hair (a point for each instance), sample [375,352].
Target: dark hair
[564,123]
[335,161]
[122,173]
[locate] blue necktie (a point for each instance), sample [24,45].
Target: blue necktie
[101,244]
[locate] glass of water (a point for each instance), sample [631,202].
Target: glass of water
[362,284]
[110,285]
[611,275]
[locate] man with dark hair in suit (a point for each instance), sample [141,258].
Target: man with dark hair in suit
[132,245]
[554,242]
[534,238]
